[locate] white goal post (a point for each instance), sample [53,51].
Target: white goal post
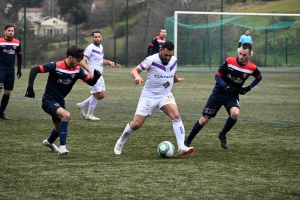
[219,16]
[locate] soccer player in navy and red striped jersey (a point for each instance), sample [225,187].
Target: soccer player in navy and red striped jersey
[230,78]
[9,48]
[62,76]
[156,43]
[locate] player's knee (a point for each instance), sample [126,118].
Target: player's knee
[7,92]
[204,120]
[99,95]
[66,116]
[134,125]
[234,113]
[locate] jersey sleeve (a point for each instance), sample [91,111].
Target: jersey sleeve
[145,64]
[18,50]
[48,67]
[87,53]
[83,76]
[222,69]
[241,39]
[256,73]
[152,43]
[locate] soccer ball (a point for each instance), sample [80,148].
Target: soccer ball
[165,149]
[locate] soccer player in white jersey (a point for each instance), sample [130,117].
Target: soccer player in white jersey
[161,68]
[93,59]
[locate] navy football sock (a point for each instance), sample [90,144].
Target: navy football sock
[4,103]
[53,136]
[229,124]
[197,127]
[63,132]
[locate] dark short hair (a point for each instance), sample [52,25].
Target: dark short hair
[95,32]
[246,46]
[75,52]
[168,45]
[8,26]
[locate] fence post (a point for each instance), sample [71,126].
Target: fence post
[24,39]
[274,44]
[115,49]
[146,30]
[286,50]
[266,47]
[76,32]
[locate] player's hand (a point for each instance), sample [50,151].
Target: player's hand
[138,80]
[112,63]
[228,89]
[91,74]
[97,74]
[19,73]
[177,80]
[30,93]
[244,90]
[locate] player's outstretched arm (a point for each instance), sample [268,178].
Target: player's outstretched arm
[32,75]
[108,62]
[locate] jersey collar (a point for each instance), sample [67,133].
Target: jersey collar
[237,60]
[96,44]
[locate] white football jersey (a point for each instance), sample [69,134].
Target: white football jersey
[94,55]
[160,77]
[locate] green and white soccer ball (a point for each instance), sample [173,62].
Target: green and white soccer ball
[165,149]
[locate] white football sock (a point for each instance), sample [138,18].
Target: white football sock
[92,106]
[179,131]
[86,102]
[126,133]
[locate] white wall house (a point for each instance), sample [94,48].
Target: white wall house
[43,26]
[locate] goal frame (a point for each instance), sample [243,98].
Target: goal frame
[219,13]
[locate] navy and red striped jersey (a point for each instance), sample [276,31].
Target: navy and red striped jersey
[156,44]
[235,74]
[61,79]
[8,51]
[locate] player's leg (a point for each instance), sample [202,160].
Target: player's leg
[81,106]
[6,82]
[60,118]
[98,91]
[50,108]
[210,110]
[169,107]
[49,142]
[130,128]
[233,108]
[64,116]
[144,109]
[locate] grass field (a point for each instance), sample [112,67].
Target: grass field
[262,161]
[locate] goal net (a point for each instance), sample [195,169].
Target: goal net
[205,39]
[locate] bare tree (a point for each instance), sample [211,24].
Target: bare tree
[50,8]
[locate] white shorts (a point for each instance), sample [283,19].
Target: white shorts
[98,87]
[147,104]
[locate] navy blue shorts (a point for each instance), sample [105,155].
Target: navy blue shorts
[50,107]
[215,102]
[7,79]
